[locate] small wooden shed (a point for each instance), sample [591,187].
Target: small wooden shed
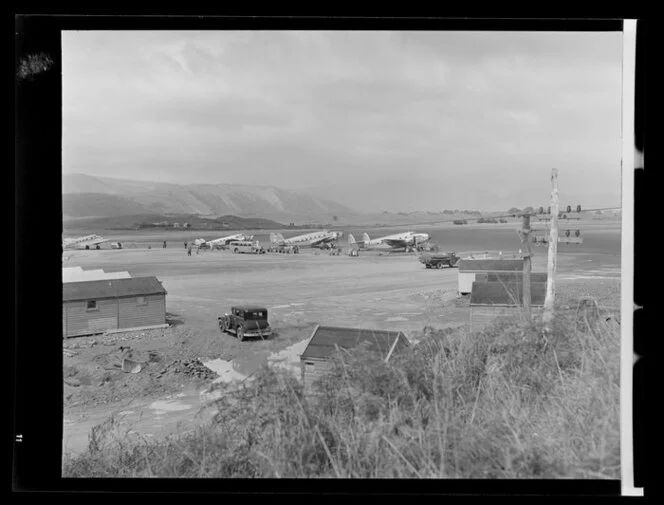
[90,307]
[315,359]
[492,300]
[478,270]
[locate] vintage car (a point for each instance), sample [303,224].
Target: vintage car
[246,321]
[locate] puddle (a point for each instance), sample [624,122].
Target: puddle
[208,396]
[281,306]
[397,318]
[168,406]
[225,371]
[289,358]
[125,412]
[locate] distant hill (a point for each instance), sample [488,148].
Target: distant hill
[81,199]
[409,194]
[167,222]
[100,205]
[385,201]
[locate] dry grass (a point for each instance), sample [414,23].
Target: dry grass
[510,402]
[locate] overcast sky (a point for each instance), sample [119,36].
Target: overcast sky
[297,109]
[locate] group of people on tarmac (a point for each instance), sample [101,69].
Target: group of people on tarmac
[187,246]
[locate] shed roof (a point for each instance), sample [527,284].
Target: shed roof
[249,308]
[77,274]
[111,288]
[323,341]
[516,275]
[490,265]
[506,293]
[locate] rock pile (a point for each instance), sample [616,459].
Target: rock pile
[191,368]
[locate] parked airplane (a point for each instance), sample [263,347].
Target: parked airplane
[407,241]
[321,239]
[87,242]
[222,241]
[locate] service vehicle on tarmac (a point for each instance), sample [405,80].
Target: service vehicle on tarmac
[246,321]
[439,259]
[246,246]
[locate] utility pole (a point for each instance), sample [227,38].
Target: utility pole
[527,267]
[547,317]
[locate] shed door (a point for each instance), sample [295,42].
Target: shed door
[466,282]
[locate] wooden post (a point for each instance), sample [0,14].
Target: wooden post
[525,239]
[547,317]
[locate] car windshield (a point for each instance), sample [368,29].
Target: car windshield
[255,314]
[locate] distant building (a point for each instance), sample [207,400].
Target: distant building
[478,270]
[97,306]
[490,301]
[186,225]
[176,225]
[315,359]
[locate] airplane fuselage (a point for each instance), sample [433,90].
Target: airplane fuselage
[82,242]
[314,239]
[397,241]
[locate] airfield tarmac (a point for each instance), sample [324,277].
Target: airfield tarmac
[382,292]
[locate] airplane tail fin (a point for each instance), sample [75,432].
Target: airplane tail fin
[365,237]
[351,239]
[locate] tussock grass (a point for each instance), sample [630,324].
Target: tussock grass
[509,402]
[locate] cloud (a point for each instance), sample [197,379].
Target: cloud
[295,109]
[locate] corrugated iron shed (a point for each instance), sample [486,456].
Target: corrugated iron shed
[325,338]
[506,293]
[490,265]
[111,288]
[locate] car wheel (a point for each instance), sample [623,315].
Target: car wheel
[240,333]
[235,250]
[223,326]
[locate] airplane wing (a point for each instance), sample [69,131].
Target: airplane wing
[396,242]
[318,241]
[78,243]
